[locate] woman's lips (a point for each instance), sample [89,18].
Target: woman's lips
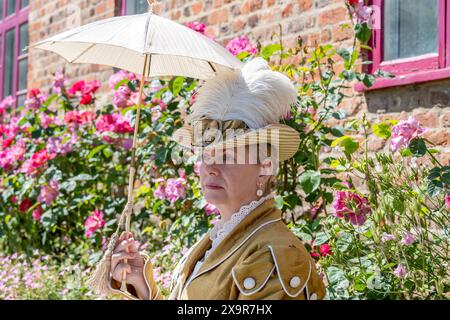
[213,187]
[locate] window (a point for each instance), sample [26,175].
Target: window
[413,42]
[13,39]
[134,6]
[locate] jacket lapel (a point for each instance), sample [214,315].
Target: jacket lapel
[198,251]
[264,214]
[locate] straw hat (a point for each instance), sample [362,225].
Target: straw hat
[242,107]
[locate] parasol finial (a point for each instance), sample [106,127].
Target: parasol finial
[150,5]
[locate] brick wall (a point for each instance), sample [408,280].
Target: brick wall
[49,17]
[314,20]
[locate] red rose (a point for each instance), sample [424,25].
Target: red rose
[33,92]
[325,250]
[77,86]
[91,87]
[25,205]
[86,99]
[353,2]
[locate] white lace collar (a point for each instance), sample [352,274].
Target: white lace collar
[221,229]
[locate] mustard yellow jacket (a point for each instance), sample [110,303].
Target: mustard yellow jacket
[259,259]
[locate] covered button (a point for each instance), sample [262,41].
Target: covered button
[249,283]
[295,282]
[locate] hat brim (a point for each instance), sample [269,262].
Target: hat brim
[283,137]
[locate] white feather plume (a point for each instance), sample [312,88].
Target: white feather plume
[255,94]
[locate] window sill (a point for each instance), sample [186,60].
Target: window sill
[406,79]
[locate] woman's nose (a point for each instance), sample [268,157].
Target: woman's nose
[212,170]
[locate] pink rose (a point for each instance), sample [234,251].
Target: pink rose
[175,189]
[6,103]
[122,97]
[404,132]
[59,81]
[119,76]
[447,202]
[93,222]
[240,44]
[49,193]
[387,237]
[360,12]
[211,209]
[35,99]
[160,193]
[351,206]
[36,161]
[400,272]
[116,123]
[408,238]
[37,213]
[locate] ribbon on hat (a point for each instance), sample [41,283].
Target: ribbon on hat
[208,131]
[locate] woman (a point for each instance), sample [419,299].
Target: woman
[249,253]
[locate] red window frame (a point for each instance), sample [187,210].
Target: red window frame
[424,68]
[13,21]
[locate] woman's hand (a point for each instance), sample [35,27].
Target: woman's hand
[127,248]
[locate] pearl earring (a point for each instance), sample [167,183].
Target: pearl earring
[259,191]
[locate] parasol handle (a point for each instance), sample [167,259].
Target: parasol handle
[129,204]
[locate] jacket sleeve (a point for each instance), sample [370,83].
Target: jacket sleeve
[153,289]
[278,273]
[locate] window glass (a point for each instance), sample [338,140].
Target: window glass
[9,63]
[23,30]
[23,70]
[24,3]
[10,7]
[1,9]
[410,28]
[136,6]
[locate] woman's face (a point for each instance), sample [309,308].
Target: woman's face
[224,180]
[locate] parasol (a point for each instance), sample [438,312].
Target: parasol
[145,44]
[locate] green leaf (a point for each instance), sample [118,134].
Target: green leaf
[382,130]
[310,181]
[82,177]
[346,142]
[107,152]
[269,50]
[384,74]
[321,238]
[434,187]
[344,242]
[242,55]
[344,53]
[336,277]
[95,151]
[369,80]
[279,202]
[305,236]
[176,84]
[337,131]
[363,32]
[418,147]
[121,83]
